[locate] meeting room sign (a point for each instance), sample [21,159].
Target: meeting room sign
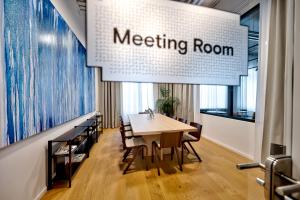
[165,41]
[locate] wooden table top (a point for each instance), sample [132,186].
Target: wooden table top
[143,125]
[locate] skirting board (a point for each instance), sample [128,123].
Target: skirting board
[41,194]
[229,147]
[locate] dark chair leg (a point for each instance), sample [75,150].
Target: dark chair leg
[182,144]
[126,154]
[146,160]
[200,160]
[178,160]
[152,153]
[185,147]
[135,153]
[142,153]
[157,161]
[172,152]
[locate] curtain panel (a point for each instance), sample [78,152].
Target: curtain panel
[109,102]
[296,94]
[279,87]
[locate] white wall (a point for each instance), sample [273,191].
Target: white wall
[23,165]
[296,112]
[236,135]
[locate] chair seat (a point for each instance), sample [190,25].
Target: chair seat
[127,124]
[127,128]
[188,137]
[128,134]
[135,142]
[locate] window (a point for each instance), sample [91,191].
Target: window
[238,102]
[245,94]
[213,98]
[136,97]
[247,91]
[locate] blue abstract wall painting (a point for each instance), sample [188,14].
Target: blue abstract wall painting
[44,78]
[3,123]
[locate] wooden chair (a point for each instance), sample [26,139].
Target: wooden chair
[125,131]
[182,120]
[167,140]
[191,137]
[135,144]
[127,128]
[122,121]
[126,125]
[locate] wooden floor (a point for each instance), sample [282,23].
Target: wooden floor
[100,176]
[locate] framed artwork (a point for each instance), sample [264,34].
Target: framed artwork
[44,81]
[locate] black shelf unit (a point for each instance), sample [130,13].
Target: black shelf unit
[99,123]
[68,151]
[90,127]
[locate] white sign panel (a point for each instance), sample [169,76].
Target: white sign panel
[165,41]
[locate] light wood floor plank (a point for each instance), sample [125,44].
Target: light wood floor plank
[216,178]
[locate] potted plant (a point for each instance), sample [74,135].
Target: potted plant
[166,104]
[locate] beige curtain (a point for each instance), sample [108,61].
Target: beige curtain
[109,101]
[185,94]
[296,108]
[279,87]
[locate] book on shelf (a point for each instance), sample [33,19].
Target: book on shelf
[78,157]
[65,149]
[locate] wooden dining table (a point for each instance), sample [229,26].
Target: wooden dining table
[151,128]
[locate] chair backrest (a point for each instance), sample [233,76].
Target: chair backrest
[122,131]
[122,123]
[170,139]
[182,120]
[199,130]
[122,120]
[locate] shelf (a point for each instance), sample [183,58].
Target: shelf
[81,139]
[94,118]
[71,135]
[64,150]
[78,158]
[88,123]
